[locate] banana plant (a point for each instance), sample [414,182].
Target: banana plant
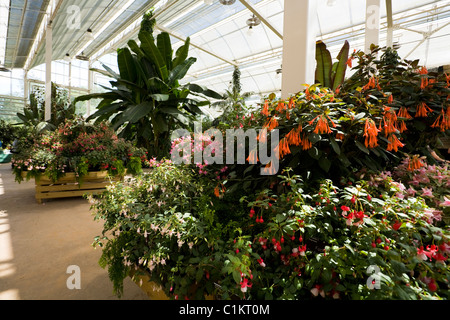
[147,101]
[328,73]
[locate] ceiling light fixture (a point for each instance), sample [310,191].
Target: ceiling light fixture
[331,3]
[82,57]
[107,24]
[277,73]
[252,22]
[89,35]
[67,57]
[227,2]
[3,69]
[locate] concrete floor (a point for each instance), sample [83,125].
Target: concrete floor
[38,242]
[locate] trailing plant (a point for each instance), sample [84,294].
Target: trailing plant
[284,242]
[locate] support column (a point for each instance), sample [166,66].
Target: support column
[372,24]
[299,45]
[48,72]
[90,87]
[390,25]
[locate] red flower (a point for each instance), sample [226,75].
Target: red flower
[252,212]
[245,284]
[396,225]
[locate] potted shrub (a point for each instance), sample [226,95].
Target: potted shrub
[75,158]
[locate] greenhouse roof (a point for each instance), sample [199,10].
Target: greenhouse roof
[219,33]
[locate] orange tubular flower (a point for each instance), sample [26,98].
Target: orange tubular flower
[371,84]
[217,191]
[272,124]
[415,163]
[321,125]
[422,110]
[283,148]
[402,127]
[293,137]
[306,144]
[266,109]
[253,157]
[281,106]
[442,121]
[371,133]
[390,99]
[394,143]
[447,78]
[340,136]
[389,121]
[291,103]
[423,70]
[403,113]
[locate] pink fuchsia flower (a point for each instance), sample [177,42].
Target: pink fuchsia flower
[302,249]
[427,192]
[446,202]
[411,192]
[439,257]
[245,284]
[444,247]
[422,254]
[261,262]
[318,290]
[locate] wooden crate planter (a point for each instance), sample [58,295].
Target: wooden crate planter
[67,186]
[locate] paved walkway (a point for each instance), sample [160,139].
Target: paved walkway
[38,242]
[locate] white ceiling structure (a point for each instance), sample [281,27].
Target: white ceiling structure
[219,33]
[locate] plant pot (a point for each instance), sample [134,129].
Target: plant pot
[151,288]
[67,186]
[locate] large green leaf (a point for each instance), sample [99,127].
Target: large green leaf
[203,90]
[182,53]
[112,95]
[165,47]
[339,77]
[180,70]
[324,64]
[135,48]
[126,65]
[136,112]
[106,110]
[152,52]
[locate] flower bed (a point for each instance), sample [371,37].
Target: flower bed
[358,209]
[70,158]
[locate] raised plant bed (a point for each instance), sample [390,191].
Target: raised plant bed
[67,186]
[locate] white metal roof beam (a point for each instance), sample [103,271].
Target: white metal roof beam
[16,50]
[40,36]
[103,47]
[196,46]
[255,11]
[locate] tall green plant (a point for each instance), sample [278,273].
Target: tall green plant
[328,73]
[61,109]
[147,101]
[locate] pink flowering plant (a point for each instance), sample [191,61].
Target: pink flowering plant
[289,241]
[76,146]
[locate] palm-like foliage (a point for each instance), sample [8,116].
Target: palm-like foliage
[147,101]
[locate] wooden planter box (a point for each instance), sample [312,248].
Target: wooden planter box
[67,186]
